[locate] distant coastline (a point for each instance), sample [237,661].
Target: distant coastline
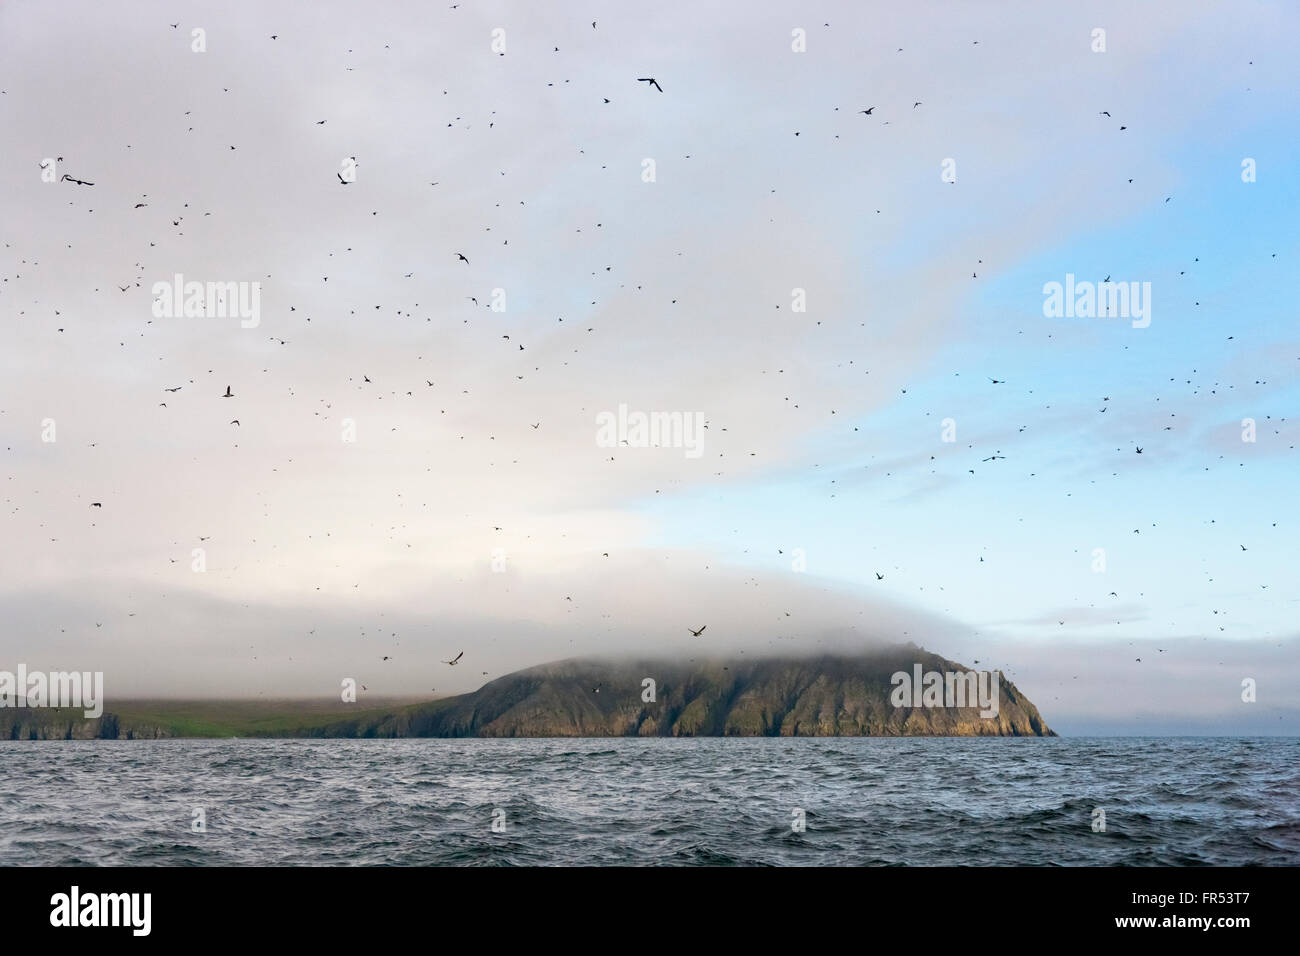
[833,695]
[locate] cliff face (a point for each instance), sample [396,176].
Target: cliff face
[54,723]
[825,696]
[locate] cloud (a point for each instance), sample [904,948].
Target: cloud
[675,295]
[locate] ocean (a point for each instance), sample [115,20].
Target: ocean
[1169,801]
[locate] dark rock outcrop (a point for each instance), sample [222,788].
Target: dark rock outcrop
[827,696]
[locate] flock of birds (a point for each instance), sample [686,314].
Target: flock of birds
[179,220]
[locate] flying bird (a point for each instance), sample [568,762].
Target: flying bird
[461,256]
[455,660]
[870,111]
[229,393]
[651,80]
[695,633]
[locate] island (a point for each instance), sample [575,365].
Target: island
[862,694]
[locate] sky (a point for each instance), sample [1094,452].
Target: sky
[829,293]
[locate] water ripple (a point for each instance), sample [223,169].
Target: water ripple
[1170,801]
